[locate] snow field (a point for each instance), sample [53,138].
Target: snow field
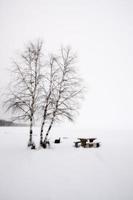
[63,172]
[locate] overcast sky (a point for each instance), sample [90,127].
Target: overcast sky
[100,31]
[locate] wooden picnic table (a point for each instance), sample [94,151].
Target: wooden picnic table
[87,142]
[87,139]
[84,141]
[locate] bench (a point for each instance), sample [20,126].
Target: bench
[77,144]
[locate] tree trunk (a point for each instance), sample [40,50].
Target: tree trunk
[49,128]
[41,133]
[42,126]
[31,133]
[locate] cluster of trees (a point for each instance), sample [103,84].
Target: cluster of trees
[45,88]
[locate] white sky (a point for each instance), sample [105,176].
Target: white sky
[100,31]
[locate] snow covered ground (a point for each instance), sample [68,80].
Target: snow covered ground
[64,172]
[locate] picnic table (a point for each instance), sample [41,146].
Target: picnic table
[87,142]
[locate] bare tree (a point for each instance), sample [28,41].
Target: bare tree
[65,89]
[50,80]
[24,91]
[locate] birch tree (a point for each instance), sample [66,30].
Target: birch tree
[50,81]
[66,91]
[24,90]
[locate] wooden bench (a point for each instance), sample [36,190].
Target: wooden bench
[97,144]
[77,144]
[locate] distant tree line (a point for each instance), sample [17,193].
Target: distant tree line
[5,123]
[44,88]
[10,123]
